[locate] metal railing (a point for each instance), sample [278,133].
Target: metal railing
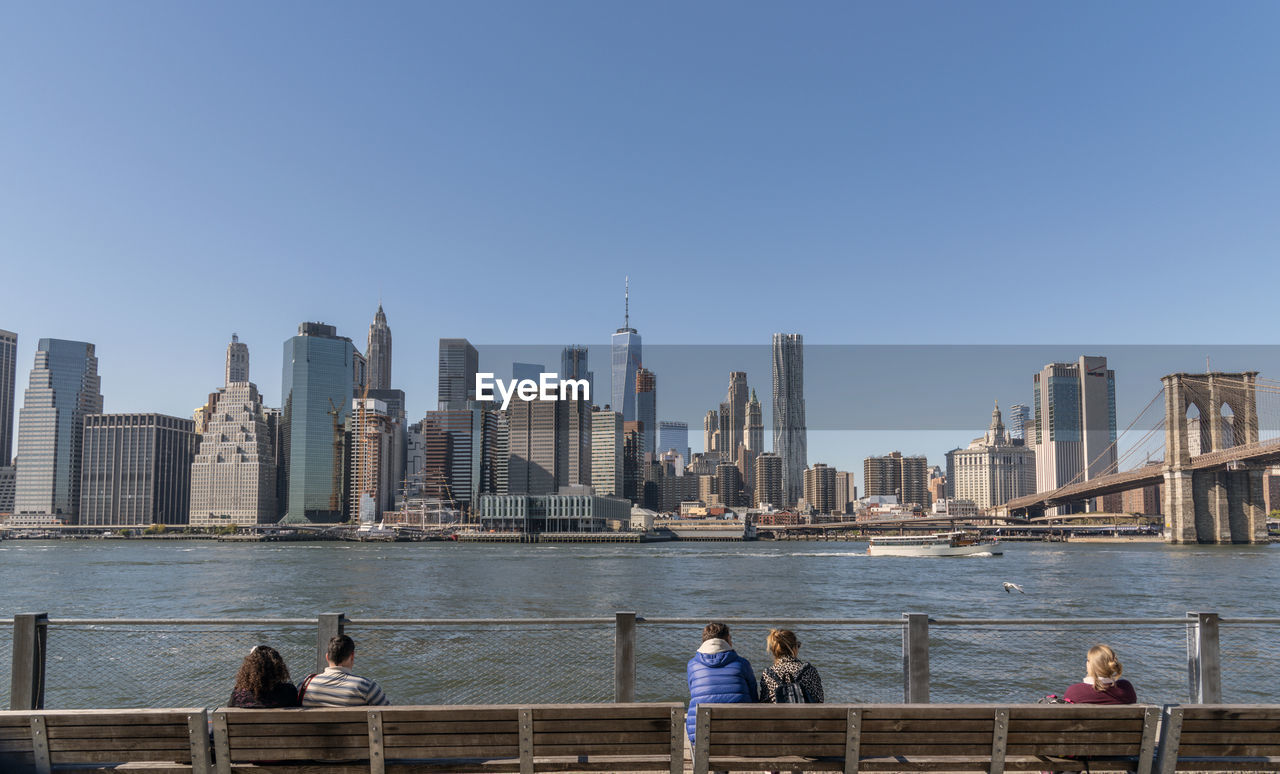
[83,663]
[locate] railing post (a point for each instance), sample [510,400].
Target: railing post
[1204,659]
[624,657]
[915,658]
[30,638]
[329,625]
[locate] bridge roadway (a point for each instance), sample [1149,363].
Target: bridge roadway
[1263,452]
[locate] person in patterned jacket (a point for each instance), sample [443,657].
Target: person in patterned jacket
[789,679]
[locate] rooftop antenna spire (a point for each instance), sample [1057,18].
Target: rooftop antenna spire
[626,320]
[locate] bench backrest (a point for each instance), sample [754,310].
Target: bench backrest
[380,734]
[1217,731]
[984,734]
[37,740]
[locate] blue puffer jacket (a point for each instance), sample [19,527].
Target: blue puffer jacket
[718,678]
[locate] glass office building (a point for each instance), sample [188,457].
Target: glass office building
[674,435]
[8,376]
[64,388]
[317,387]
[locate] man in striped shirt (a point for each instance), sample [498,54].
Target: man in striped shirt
[336,686]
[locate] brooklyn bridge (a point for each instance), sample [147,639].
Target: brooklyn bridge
[1214,495]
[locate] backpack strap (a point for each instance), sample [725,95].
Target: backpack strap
[302,687]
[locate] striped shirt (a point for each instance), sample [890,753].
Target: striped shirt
[337,687]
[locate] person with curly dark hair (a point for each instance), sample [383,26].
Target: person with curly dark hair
[263,681]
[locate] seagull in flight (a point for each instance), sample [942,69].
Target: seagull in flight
[1009,587]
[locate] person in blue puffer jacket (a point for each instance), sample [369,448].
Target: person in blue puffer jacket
[717,674]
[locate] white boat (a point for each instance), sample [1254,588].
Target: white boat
[378,531]
[938,544]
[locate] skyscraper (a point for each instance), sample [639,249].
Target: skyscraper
[729,484]
[64,388]
[606,453]
[711,432]
[550,445]
[820,488]
[846,491]
[317,387]
[907,478]
[752,441]
[1020,422]
[456,383]
[234,473]
[736,401]
[647,410]
[8,376]
[992,470]
[531,371]
[1074,429]
[674,435]
[790,438]
[136,469]
[237,361]
[373,483]
[573,365]
[625,362]
[378,352]
[461,457]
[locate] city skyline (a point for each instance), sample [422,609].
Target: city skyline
[852,174]
[842,443]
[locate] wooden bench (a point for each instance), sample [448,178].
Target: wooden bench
[924,737]
[158,741]
[525,739]
[1220,737]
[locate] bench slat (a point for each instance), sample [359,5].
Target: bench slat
[601,737]
[454,740]
[622,724]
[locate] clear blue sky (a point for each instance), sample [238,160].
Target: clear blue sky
[905,172]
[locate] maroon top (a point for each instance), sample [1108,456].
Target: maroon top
[1119,692]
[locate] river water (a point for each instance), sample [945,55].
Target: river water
[777,581]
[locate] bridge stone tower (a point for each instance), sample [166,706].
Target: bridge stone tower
[1206,499]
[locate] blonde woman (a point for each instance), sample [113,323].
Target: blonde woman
[1102,683]
[789,680]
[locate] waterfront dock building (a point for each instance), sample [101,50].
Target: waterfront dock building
[532,514]
[136,470]
[63,389]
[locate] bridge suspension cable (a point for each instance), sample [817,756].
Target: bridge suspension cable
[1114,444]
